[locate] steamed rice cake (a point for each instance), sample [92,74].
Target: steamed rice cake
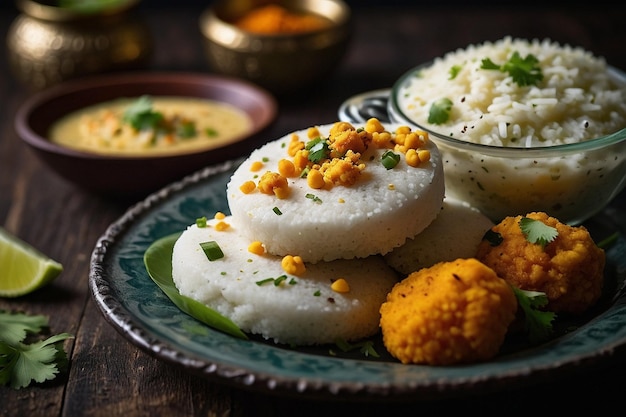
[455,233]
[297,310]
[376,210]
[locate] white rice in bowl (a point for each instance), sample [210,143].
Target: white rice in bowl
[301,310]
[372,216]
[576,99]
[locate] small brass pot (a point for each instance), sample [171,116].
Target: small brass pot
[48,44]
[281,63]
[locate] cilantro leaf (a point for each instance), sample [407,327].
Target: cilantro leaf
[488,64]
[538,323]
[15,326]
[454,71]
[365,347]
[318,149]
[537,232]
[185,129]
[21,363]
[141,116]
[439,112]
[524,71]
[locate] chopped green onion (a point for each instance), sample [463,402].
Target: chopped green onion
[280,279]
[212,250]
[317,293]
[313,197]
[390,159]
[264,281]
[210,132]
[201,221]
[277,211]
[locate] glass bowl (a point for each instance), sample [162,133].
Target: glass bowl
[569,181]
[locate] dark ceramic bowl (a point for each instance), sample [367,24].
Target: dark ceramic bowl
[135,175]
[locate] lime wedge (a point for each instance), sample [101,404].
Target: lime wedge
[23,269]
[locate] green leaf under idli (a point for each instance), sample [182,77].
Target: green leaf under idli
[158,262]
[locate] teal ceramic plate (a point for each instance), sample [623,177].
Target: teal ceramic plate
[144,315]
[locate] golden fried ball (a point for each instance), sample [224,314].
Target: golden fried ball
[452,312]
[569,270]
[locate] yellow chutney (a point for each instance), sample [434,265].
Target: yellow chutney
[151,125]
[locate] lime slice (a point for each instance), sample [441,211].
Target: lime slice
[23,269]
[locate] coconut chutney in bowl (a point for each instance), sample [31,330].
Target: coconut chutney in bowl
[147,125]
[129,134]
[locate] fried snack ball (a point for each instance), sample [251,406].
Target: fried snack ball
[452,312]
[569,270]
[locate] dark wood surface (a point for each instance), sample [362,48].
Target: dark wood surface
[108,376]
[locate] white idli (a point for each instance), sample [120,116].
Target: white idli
[302,310]
[455,233]
[373,216]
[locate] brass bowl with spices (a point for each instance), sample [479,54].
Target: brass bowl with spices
[283,46]
[52,41]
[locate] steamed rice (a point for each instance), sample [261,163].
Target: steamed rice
[577,99]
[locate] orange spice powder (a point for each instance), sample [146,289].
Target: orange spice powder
[275,19]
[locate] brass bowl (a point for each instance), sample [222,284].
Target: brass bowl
[280,63]
[49,44]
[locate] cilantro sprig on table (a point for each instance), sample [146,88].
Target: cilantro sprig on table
[22,363]
[524,71]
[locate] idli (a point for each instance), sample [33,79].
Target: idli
[254,290]
[338,191]
[455,233]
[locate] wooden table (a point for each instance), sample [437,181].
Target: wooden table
[108,375]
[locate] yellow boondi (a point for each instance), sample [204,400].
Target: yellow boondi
[453,312]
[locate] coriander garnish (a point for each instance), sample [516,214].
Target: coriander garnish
[439,112]
[537,232]
[524,71]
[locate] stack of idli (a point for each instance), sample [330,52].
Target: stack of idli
[301,257]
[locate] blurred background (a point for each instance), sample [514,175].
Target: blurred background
[429,38]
